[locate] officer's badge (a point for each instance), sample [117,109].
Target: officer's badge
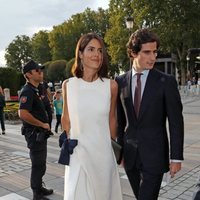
[23,99]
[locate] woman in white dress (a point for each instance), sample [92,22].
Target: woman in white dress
[89,100]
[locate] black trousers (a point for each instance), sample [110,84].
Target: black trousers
[58,122]
[38,156]
[145,185]
[38,169]
[2,119]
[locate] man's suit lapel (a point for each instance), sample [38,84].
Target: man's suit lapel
[150,89]
[130,96]
[129,77]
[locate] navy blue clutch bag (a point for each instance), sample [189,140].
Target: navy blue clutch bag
[67,147]
[62,138]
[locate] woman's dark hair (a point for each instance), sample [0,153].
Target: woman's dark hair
[140,37]
[77,68]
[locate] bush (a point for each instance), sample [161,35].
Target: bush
[11,111]
[56,70]
[69,68]
[10,78]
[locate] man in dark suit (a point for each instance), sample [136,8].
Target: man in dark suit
[142,127]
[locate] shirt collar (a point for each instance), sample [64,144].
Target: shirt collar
[33,87]
[144,73]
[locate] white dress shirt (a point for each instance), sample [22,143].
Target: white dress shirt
[143,79]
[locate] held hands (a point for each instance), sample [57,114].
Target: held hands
[174,168]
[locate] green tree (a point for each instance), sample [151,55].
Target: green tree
[117,35]
[60,43]
[69,68]
[18,52]
[95,21]
[40,47]
[56,71]
[13,82]
[63,38]
[176,22]
[57,42]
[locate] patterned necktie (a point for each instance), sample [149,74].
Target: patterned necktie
[137,96]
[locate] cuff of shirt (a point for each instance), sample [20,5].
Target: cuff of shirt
[176,161]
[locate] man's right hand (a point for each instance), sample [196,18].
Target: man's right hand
[46,126]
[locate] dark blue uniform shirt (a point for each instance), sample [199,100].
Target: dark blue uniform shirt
[31,101]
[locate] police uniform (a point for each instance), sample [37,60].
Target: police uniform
[43,93]
[30,100]
[36,137]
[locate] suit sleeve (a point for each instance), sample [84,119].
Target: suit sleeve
[174,110]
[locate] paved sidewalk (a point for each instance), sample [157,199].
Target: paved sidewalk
[15,163]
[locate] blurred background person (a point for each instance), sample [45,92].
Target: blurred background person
[58,105]
[2,105]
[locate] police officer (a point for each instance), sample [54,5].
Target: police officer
[35,127]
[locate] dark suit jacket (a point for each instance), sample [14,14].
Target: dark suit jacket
[147,136]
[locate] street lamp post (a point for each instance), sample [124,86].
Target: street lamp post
[129,26]
[129,23]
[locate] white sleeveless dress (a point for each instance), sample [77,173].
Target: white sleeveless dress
[92,173]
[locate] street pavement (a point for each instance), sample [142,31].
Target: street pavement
[15,163]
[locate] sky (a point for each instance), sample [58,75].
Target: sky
[26,17]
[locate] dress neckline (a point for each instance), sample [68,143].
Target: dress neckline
[88,82]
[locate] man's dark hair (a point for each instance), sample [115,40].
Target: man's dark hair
[139,37]
[58,92]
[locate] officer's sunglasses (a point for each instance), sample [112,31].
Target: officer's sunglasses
[38,70]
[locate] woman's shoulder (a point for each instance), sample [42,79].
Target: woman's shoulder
[69,80]
[113,84]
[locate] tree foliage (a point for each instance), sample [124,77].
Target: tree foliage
[58,42]
[18,52]
[176,22]
[117,35]
[56,71]
[40,47]
[63,38]
[14,80]
[69,68]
